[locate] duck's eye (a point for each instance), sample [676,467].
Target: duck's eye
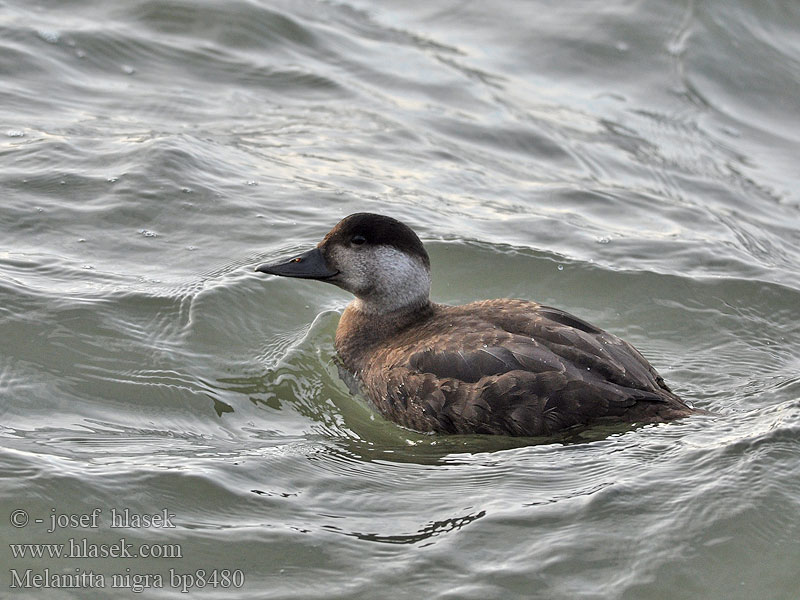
[358,240]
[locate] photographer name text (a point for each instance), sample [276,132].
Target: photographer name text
[85,532]
[117,518]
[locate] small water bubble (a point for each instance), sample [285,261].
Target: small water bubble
[676,47]
[560,267]
[15,133]
[128,70]
[252,182]
[39,209]
[88,267]
[603,240]
[148,233]
[191,248]
[49,36]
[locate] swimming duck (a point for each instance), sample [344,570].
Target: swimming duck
[510,367]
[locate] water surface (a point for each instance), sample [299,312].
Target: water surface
[631,162]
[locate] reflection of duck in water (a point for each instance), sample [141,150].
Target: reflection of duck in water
[510,367]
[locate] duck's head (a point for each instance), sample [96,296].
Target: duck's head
[377,258]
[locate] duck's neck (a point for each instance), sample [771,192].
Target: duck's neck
[360,330]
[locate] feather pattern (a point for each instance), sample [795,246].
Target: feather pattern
[509,367]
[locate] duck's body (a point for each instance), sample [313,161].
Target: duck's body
[511,367]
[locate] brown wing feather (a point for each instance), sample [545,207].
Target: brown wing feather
[533,375]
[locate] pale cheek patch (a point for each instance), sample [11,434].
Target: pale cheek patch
[400,280]
[383,278]
[354,274]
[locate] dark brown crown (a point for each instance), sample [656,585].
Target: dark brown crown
[369,228]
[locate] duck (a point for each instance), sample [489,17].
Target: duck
[504,366]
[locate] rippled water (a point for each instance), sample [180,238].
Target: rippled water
[632,162]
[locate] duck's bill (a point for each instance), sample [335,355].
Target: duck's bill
[309,265]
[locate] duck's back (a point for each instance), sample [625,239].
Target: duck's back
[510,367]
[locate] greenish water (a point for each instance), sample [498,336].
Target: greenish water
[631,162]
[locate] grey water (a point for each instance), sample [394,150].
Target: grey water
[632,162]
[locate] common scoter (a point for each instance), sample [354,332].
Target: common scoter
[510,367]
